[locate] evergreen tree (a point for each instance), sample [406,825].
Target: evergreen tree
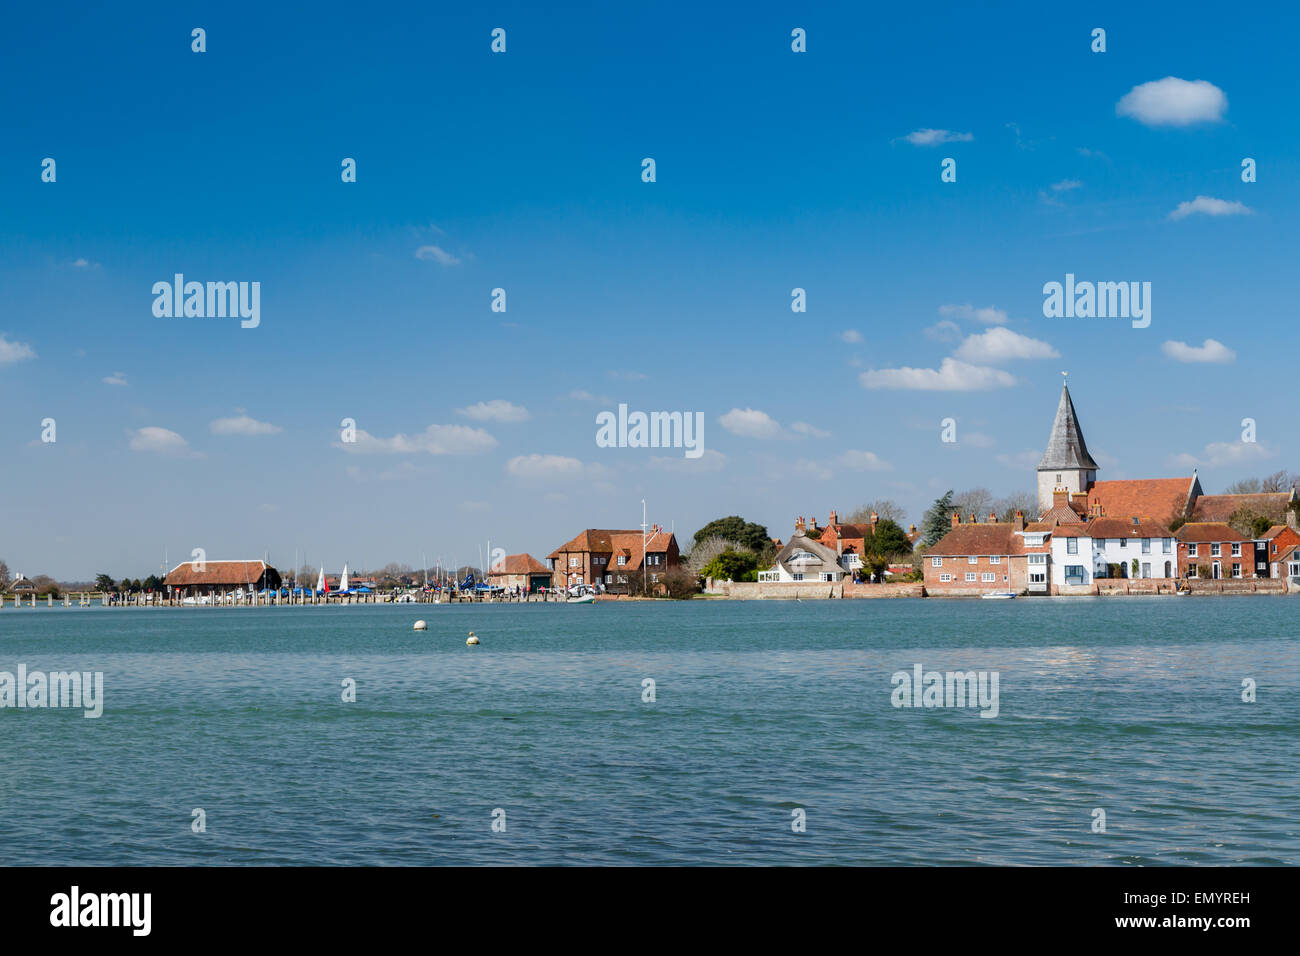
[937,521]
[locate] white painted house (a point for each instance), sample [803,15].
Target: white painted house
[1083,553]
[804,559]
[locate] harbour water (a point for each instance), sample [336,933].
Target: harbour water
[1130,705]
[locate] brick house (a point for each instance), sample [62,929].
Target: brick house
[978,557]
[1214,545]
[522,571]
[609,558]
[1286,564]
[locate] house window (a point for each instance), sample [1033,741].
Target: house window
[995,559]
[1038,559]
[575,562]
[1192,572]
[1216,550]
[1167,545]
[609,579]
[1075,574]
[945,577]
[1071,545]
[654,579]
[1146,545]
[797,576]
[1191,550]
[936,562]
[970,575]
[1123,542]
[973,559]
[827,576]
[1236,569]
[1236,550]
[622,579]
[988,576]
[622,560]
[1058,479]
[1146,569]
[1037,577]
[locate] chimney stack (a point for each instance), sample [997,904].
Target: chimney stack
[875,519]
[1060,497]
[971,518]
[956,519]
[812,524]
[993,517]
[833,519]
[1020,520]
[799,525]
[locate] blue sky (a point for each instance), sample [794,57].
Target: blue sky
[775,170]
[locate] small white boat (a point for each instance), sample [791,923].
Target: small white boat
[998,595]
[585,599]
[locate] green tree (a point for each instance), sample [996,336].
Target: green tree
[889,540]
[735,528]
[937,521]
[731,566]
[104,582]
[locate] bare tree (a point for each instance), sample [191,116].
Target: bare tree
[4,575]
[1026,502]
[885,508]
[975,501]
[1246,486]
[1278,481]
[708,549]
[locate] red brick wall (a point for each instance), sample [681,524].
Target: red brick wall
[1009,575]
[1226,559]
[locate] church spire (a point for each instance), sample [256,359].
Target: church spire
[1066,448]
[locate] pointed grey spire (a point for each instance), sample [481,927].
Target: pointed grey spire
[1066,448]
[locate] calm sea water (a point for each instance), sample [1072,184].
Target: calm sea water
[1131,705]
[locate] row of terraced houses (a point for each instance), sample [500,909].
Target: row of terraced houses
[1088,532]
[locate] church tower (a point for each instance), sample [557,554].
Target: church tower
[1066,464]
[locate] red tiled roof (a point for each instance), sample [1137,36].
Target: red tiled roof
[217,574]
[1199,531]
[519,564]
[1222,507]
[1114,528]
[978,539]
[1161,498]
[1060,514]
[600,541]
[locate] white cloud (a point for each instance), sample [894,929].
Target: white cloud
[163,441]
[117,378]
[936,137]
[436,254]
[582,395]
[975,439]
[243,425]
[1065,185]
[627,376]
[1209,206]
[988,315]
[11,352]
[435,440]
[852,336]
[944,331]
[84,264]
[809,431]
[1173,102]
[864,461]
[1210,351]
[497,410]
[751,423]
[1002,345]
[951,376]
[544,467]
[1222,453]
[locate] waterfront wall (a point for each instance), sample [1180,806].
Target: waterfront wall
[808,590]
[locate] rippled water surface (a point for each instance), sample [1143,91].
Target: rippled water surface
[1131,705]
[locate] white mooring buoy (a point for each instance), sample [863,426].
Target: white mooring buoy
[471,640]
[420,626]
